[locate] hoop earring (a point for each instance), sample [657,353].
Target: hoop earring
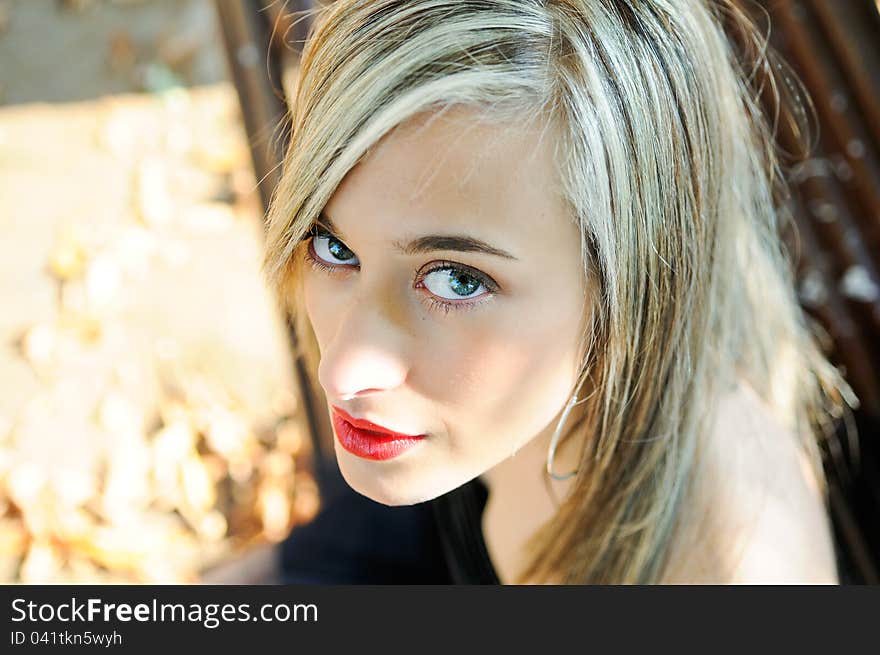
[554,442]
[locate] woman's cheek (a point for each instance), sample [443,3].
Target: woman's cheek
[475,374]
[510,376]
[318,299]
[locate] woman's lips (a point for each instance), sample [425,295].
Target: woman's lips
[368,440]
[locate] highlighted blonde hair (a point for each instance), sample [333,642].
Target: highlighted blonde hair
[668,165]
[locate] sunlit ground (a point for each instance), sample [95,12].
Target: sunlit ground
[149,428]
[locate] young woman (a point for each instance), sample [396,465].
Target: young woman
[532,245]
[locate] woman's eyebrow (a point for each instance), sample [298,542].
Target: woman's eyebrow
[432,242]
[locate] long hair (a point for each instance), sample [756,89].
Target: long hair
[667,164]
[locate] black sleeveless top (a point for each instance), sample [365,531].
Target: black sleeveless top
[355,540]
[459,515]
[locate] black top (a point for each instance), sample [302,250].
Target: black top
[459,518]
[354,540]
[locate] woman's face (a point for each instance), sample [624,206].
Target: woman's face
[448,301]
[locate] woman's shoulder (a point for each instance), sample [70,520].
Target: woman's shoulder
[756,512]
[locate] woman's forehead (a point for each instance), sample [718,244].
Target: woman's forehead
[455,170]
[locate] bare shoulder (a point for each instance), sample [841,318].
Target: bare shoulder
[757,513]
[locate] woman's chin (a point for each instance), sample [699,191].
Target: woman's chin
[389,485]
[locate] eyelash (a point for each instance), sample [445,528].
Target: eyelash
[431,301]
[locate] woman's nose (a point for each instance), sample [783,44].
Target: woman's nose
[364,357]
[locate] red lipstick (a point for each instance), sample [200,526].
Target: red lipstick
[369,440]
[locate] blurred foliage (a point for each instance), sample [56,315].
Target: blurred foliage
[149,427]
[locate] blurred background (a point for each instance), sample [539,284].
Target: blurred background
[154,425]
[149,418]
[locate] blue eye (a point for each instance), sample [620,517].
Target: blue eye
[452,283]
[331,250]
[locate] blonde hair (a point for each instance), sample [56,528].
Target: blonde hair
[667,163]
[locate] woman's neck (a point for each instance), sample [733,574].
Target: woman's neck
[520,502]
